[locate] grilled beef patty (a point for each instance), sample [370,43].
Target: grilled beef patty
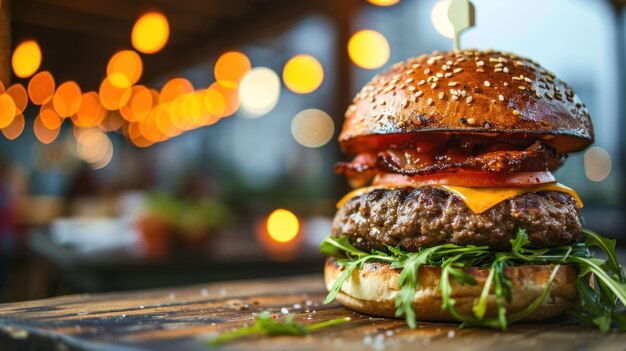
[420,217]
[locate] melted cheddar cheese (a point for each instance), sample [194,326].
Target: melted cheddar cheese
[479,199]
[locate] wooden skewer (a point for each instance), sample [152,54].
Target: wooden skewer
[461,15]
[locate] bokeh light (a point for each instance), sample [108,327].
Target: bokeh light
[41,88]
[282,225]
[303,74]
[440,20]
[112,122]
[124,68]
[383,2]
[18,93]
[175,88]
[215,103]
[15,129]
[94,147]
[139,104]
[150,33]
[67,99]
[112,97]
[597,163]
[7,110]
[91,112]
[259,91]
[26,59]
[44,134]
[368,49]
[49,118]
[312,128]
[229,93]
[231,66]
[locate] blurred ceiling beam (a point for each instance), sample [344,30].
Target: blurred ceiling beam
[5,42]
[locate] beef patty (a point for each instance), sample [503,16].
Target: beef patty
[420,217]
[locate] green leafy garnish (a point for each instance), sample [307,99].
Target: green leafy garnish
[266,325]
[601,306]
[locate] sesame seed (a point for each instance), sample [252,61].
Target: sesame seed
[449,63]
[409,80]
[421,82]
[480,70]
[463,93]
[433,86]
[405,103]
[427,71]
[441,95]
[501,97]
[439,74]
[505,70]
[452,84]
[430,101]
[516,112]
[521,87]
[487,84]
[454,97]
[411,88]
[448,75]
[471,121]
[506,84]
[409,71]
[517,78]
[457,70]
[498,70]
[469,99]
[528,80]
[412,98]
[419,93]
[454,92]
[480,63]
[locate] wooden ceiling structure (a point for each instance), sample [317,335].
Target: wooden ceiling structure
[77,37]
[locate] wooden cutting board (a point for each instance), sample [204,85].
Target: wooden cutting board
[185,318]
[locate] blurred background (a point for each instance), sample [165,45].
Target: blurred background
[161,142]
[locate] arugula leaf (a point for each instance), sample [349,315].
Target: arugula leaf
[266,325]
[599,307]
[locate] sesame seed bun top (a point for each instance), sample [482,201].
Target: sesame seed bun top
[479,92]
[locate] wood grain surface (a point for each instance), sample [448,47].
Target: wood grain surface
[185,318]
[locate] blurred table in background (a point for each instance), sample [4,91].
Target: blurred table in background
[70,271]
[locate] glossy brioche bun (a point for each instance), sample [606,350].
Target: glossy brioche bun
[373,290]
[479,92]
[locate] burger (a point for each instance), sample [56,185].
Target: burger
[456,215]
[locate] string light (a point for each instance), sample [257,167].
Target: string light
[26,59]
[312,128]
[41,88]
[282,225]
[150,33]
[259,91]
[67,99]
[124,69]
[368,49]
[231,66]
[303,74]
[7,110]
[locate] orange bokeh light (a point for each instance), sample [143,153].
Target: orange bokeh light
[41,88]
[229,94]
[67,99]
[175,88]
[7,110]
[49,118]
[44,134]
[231,66]
[124,69]
[15,129]
[139,104]
[282,225]
[91,111]
[112,97]
[112,122]
[384,2]
[164,122]
[368,49]
[20,97]
[26,59]
[150,33]
[303,74]
[216,105]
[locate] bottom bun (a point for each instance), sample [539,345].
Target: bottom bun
[373,290]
